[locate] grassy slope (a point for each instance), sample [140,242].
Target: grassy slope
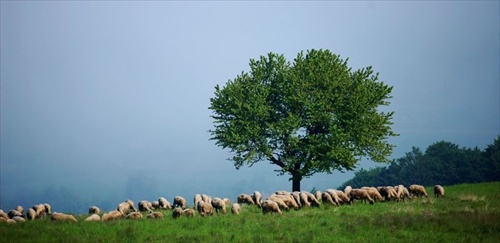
[469,212]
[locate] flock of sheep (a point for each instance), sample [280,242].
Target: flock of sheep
[205,205]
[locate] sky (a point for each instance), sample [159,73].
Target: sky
[109,100]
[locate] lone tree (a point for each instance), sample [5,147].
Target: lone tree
[312,115]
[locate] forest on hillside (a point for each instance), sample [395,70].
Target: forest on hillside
[442,163]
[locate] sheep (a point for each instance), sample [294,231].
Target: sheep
[94,210]
[197,198]
[269,206]
[347,190]
[112,215]
[155,215]
[417,190]
[227,201]
[177,212]
[318,195]
[360,194]
[156,205]
[19,209]
[257,198]
[31,214]
[402,192]
[206,198]
[374,193]
[63,217]
[342,196]
[304,199]
[3,214]
[288,200]
[219,205]
[335,198]
[388,193]
[296,197]
[13,213]
[18,219]
[189,212]
[93,217]
[327,198]
[312,199]
[40,210]
[164,203]
[2,219]
[48,208]
[179,202]
[279,201]
[205,208]
[245,198]
[126,207]
[438,191]
[134,215]
[236,208]
[145,206]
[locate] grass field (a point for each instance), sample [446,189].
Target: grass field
[468,213]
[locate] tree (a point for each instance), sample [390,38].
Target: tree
[312,115]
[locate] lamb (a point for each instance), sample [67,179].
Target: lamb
[236,208]
[63,217]
[93,217]
[418,190]
[360,194]
[269,206]
[94,210]
[179,202]
[219,205]
[155,215]
[112,215]
[438,191]
[245,198]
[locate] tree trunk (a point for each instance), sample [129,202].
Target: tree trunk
[296,183]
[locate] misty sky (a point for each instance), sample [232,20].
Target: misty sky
[109,99]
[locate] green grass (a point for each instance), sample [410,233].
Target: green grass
[468,213]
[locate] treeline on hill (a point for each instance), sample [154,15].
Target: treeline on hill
[442,163]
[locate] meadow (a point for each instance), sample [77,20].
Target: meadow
[468,213]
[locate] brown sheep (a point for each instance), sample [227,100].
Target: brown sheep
[205,209]
[236,208]
[438,191]
[219,205]
[245,198]
[134,215]
[388,192]
[177,212]
[145,206]
[112,215]
[155,215]
[94,210]
[164,203]
[189,212]
[269,206]
[179,202]
[417,190]
[359,194]
[93,217]
[63,217]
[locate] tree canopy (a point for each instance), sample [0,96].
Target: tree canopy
[441,163]
[312,115]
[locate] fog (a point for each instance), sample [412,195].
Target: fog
[105,101]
